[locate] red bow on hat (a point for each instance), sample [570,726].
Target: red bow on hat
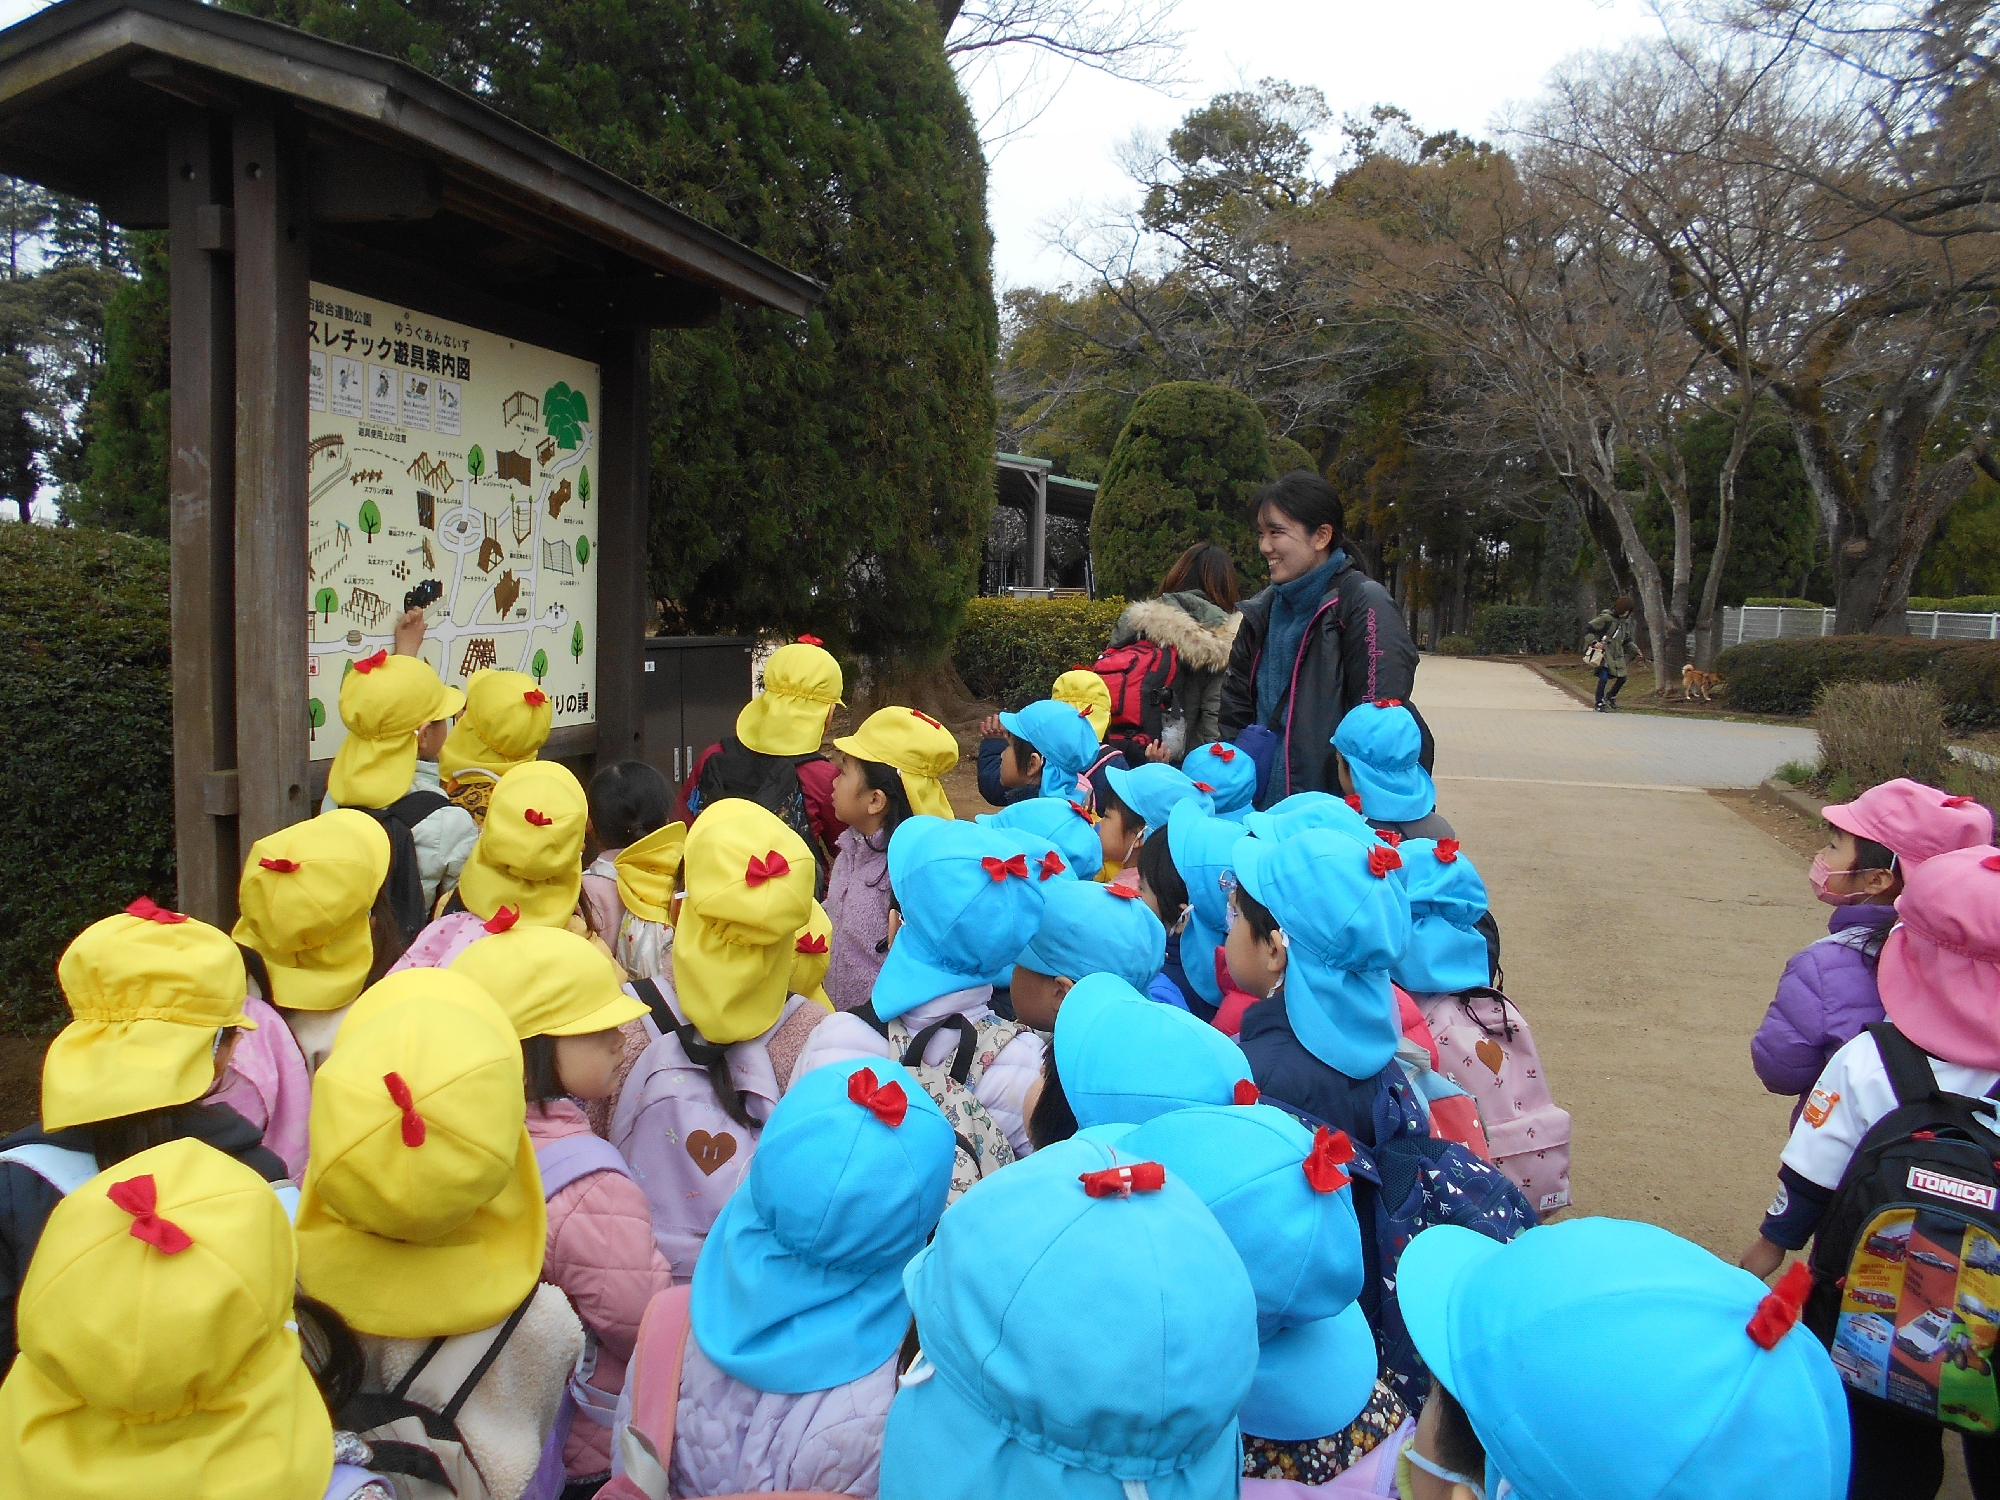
[1122,892]
[1447,851]
[146,909]
[1353,800]
[413,1123]
[917,713]
[1202,786]
[539,819]
[1083,710]
[534,697]
[1123,1182]
[1247,1092]
[1781,1307]
[1959,801]
[503,919]
[1052,864]
[140,1197]
[282,866]
[1991,862]
[1082,812]
[1331,1151]
[811,942]
[1388,702]
[1382,859]
[1015,865]
[772,866]
[811,640]
[1389,836]
[368,664]
[885,1101]
[1223,753]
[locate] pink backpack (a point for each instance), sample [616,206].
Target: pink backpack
[653,1386]
[1486,1049]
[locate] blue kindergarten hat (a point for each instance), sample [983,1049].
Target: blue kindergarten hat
[1123,1058]
[1446,954]
[1381,743]
[1062,732]
[1302,812]
[1154,789]
[1345,922]
[1280,1195]
[1063,823]
[1087,1347]
[1096,929]
[1229,773]
[800,1285]
[1203,848]
[971,899]
[1573,1332]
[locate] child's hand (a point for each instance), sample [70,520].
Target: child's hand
[409,632]
[1158,751]
[1762,1258]
[989,727]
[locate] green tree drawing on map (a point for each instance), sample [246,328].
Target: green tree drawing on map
[475,462]
[576,641]
[582,551]
[370,520]
[583,485]
[539,666]
[564,412]
[315,718]
[325,602]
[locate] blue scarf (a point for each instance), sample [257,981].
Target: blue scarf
[1292,608]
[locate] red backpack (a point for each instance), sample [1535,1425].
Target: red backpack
[1144,680]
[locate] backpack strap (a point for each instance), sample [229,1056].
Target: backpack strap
[866,1015]
[493,1350]
[575,1157]
[1505,1028]
[654,1380]
[650,995]
[61,1168]
[967,1050]
[1908,1065]
[413,807]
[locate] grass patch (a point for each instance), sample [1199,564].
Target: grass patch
[1797,772]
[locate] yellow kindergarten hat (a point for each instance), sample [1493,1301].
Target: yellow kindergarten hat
[812,955]
[647,869]
[422,1214]
[505,724]
[530,851]
[550,982]
[156,1352]
[920,748]
[1082,688]
[801,684]
[149,989]
[384,701]
[749,891]
[305,896]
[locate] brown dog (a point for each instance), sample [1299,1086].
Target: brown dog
[1696,683]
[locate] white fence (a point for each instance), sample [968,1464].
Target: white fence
[1768,623]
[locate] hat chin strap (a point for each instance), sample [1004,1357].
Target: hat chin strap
[1135,1489]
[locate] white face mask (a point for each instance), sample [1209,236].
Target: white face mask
[1449,1476]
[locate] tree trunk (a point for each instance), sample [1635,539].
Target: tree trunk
[1652,589]
[1707,631]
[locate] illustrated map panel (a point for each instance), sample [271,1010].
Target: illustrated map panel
[450,469]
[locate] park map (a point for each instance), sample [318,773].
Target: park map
[448,468]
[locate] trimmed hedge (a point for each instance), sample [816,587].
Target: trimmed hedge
[1967,604]
[1781,604]
[1527,629]
[1785,677]
[86,763]
[1010,650]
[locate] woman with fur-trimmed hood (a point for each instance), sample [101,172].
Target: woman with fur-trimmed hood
[1196,615]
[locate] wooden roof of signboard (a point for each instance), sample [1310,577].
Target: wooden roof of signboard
[414,186]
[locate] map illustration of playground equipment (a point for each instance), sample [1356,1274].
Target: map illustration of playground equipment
[451,468]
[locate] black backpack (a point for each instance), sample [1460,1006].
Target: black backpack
[770,781]
[1906,1262]
[405,884]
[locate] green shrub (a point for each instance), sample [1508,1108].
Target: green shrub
[1182,472]
[1966,604]
[1872,732]
[1797,772]
[1458,645]
[86,765]
[1008,651]
[1787,676]
[1527,629]
[1782,604]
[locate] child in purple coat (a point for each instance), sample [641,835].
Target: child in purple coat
[1827,995]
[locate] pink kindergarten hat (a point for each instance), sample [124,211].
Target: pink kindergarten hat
[1912,821]
[1940,968]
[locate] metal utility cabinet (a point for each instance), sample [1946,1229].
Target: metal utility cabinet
[694,687]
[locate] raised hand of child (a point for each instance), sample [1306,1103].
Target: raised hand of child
[409,632]
[989,727]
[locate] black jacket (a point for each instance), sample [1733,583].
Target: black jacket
[1354,651]
[27,1200]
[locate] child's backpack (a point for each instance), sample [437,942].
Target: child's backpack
[1904,1262]
[1144,680]
[1487,1049]
[982,1145]
[643,1454]
[405,882]
[770,781]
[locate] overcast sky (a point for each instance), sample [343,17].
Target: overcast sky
[1454,64]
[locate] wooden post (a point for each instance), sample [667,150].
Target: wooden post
[272,735]
[1038,530]
[624,477]
[201,485]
